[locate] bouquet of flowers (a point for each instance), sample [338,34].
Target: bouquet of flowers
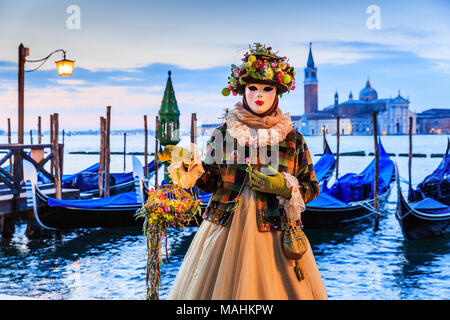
[167,206]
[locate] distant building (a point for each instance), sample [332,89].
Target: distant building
[434,121]
[355,115]
[207,129]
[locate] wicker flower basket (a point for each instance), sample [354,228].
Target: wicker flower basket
[170,206]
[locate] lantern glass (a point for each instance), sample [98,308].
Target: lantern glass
[65,67]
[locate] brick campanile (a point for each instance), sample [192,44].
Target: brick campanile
[311,83]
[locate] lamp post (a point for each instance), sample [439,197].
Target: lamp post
[64,67]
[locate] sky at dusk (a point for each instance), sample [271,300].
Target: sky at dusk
[124,49]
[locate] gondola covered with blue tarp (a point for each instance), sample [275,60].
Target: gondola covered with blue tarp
[87,180]
[354,187]
[436,185]
[127,198]
[325,166]
[350,199]
[426,214]
[114,211]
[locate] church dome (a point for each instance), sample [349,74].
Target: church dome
[368,93]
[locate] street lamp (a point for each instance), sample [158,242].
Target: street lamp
[64,67]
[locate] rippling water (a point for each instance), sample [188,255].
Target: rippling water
[355,262]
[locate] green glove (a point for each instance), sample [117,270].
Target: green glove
[273,183]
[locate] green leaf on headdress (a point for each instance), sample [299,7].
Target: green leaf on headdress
[254,75]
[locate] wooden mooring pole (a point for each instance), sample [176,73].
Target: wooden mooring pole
[39,131]
[9,142]
[324,136]
[124,151]
[7,226]
[410,154]
[156,151]
[107,151]
[376,171]
[194,129]
[145,147]
[56,156]
[52,162]
[194,138]
[338,137]
[102,157]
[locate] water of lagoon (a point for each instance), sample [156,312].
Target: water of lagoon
[355,262]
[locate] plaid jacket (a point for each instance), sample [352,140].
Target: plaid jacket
[226,180]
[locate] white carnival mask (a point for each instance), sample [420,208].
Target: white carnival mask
[260,97]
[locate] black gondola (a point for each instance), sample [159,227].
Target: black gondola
[350,199]
[67,215]
[114,211]
[426,214]
[318,217]
[87,180]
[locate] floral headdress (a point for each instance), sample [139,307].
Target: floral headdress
[261,65]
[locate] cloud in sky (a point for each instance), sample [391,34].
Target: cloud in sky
[202,34]
[124,50]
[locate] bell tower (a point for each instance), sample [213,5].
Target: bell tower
[311,83]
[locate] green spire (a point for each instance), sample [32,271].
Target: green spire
[169,104]
[169,117]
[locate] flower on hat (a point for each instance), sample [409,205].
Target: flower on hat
[268,74]
[287,79]
[260,63]
[280,76]
[226,92]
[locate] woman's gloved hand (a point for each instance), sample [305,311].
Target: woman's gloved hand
[173,153]
[273,182]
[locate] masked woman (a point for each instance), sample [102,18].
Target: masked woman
[260,173]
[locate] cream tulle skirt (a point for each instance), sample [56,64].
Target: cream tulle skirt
[239,262]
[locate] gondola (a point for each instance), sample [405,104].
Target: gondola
[114,211]
[426,214]
[87,180]
[350,199]
[324,167]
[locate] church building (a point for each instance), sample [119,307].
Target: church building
[355,114]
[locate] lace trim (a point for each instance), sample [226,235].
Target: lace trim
[295,205]
[258,137]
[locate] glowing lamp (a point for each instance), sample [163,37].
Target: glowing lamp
[65,67]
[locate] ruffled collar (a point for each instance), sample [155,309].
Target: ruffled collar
[246,134]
